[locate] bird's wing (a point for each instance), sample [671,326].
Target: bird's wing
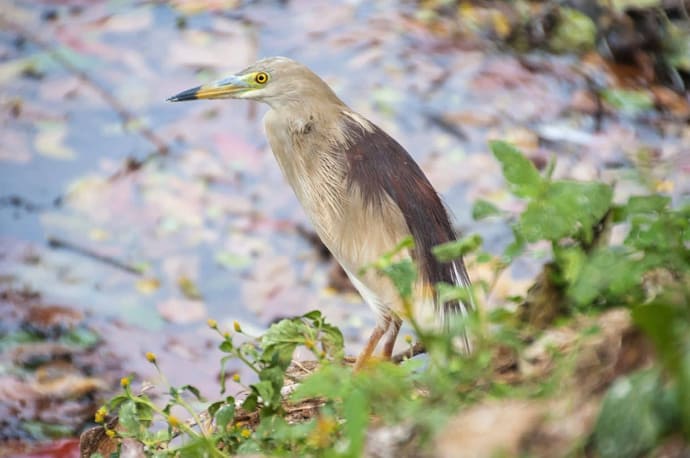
[379,167]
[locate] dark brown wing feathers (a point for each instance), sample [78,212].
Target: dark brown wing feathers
[378,166]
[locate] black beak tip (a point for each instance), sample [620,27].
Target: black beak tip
[189,94]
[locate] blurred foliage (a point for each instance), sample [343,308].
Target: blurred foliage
[647,271]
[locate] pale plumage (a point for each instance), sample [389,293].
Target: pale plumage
[360,188]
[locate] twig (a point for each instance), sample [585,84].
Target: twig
[127,118]
[59,243]
[446,126]
[417,349]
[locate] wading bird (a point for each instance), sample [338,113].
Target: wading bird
[362,191]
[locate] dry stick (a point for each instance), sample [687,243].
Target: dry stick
[54,242]
[126,117]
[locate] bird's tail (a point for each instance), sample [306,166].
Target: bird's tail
[462,307]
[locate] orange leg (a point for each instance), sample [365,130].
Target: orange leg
[369,348]
[389,343]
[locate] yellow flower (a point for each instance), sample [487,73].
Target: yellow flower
[99,416]
[309,344]
[236,326]
[408,339]
[226,335]
[213,324]
[246,433]
[173,421]
[151,357]
[124,382]
[236,378]
[110,433]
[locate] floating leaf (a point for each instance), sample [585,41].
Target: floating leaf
[189,288]
[50,141]
[148,285]
[630,102]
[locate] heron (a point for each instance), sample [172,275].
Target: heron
[360,188]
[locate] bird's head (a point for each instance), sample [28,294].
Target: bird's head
[274,80]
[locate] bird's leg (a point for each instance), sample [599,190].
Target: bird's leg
[369,348]
[389,343]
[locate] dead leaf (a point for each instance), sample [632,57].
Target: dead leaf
[50,141]
[182,311]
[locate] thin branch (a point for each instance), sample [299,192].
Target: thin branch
[63,244]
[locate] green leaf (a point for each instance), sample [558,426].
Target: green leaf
[330,381]
[575,32]
[224,416]
[43,431]
[403,274]
[611,270]
[630,102]
[264,389]
[128,418]
[483,209]
[449,251]
[518,170]
[356,416]
[194,390]
[628,423]
[654,203]
[283,337]
[567,209]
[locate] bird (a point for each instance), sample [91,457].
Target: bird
[361,189]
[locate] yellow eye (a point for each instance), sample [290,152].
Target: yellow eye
[261,78]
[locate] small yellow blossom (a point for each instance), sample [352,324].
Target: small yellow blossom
[309,344]
[173,421]
[99,416]
[236,378]
[213,324]
[151,357]
[110,433]
[408,339]
[236,326]
[124,382]
[246,433]
[226,335]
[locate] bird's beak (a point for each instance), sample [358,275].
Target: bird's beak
[226,88]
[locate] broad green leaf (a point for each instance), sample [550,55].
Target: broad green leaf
[610,269]
[483,209]
[518,170]
[567,209]
[628,424]
[128,417]
[225,415]
[453,250]
[654,203]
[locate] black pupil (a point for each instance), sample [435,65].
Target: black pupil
[261,78]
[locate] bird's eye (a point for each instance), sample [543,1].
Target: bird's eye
[261,78]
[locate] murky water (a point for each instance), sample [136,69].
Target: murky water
[212,224]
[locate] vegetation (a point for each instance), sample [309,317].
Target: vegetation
[331,410]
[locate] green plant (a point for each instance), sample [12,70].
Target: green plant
[648,272]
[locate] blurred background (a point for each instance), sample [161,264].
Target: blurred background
[126,222]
